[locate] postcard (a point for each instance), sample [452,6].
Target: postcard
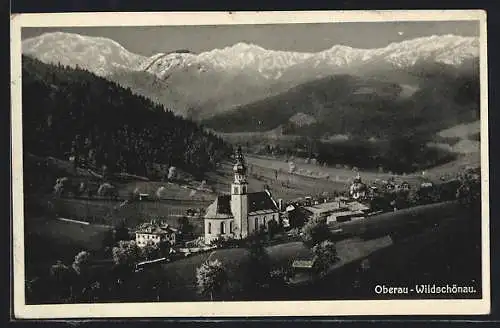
[249,164]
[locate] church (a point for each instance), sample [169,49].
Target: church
[240,213]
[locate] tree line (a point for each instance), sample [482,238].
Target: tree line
[71,113]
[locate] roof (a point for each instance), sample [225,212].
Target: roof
[258,203]
[324,208]
[304,263]
[357,206]
[154,229]
[220,208]
[346,213]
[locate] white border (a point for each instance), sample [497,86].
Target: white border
[234,309]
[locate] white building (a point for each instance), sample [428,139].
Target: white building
[241,213]
[153,233]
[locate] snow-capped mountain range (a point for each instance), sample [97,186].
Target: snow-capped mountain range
[102,55]
[220,77]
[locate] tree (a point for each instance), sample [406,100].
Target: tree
[413,199]
[469,191]
[186,228]
[325,254]
[172,173]
[259,265]
[428,194]
[278,277]
[62,276]
[273,228]
[121,232]
[315,231]
[164,248]
[211,278]
[381,202]
[126,254]
[296,218]
[81,263]
[150,251]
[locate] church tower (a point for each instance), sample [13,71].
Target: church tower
[239,197]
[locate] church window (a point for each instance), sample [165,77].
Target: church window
[230,226]
[222,227]
[244,189]
[209,227]
[235,190]
[256,223]
[264,221]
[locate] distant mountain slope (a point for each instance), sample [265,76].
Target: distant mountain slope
[71,112]
[101,56]
[368,107]
[205,84]
[462,131]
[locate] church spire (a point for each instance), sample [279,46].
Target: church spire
[239,167]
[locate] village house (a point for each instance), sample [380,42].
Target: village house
[155,233]
[338,211]
[240,213]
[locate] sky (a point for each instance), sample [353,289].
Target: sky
[291,37]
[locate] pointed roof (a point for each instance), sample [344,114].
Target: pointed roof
[239,166]
[154,228]
[257,201]
[260,201]
[220,208]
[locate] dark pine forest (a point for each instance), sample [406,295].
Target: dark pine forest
[72,112]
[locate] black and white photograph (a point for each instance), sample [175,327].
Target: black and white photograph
[250,164]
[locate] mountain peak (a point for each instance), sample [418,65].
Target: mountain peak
[238,48]
[99,55]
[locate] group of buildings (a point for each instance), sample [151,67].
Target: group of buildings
[240,213]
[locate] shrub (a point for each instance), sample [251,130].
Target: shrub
[211,278]
[315,231]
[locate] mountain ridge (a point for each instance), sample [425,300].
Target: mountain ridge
[218,80]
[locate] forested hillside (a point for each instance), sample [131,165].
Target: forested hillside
[440,97]
[72,112]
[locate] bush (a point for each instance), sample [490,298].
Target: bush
[211,278]
[469,191]
[315,231]
[259,265]
[325,254]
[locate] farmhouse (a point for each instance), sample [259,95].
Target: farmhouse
[152,232]
[240,213]
[338,211]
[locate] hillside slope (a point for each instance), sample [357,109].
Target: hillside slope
[443,96]
[72,112]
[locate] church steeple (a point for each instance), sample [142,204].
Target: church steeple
[239,196]
[239,168]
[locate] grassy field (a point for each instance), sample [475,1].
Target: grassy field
[109,212]
[335,175]
[47,241]
[88,237]
[286,186]
[341,177]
